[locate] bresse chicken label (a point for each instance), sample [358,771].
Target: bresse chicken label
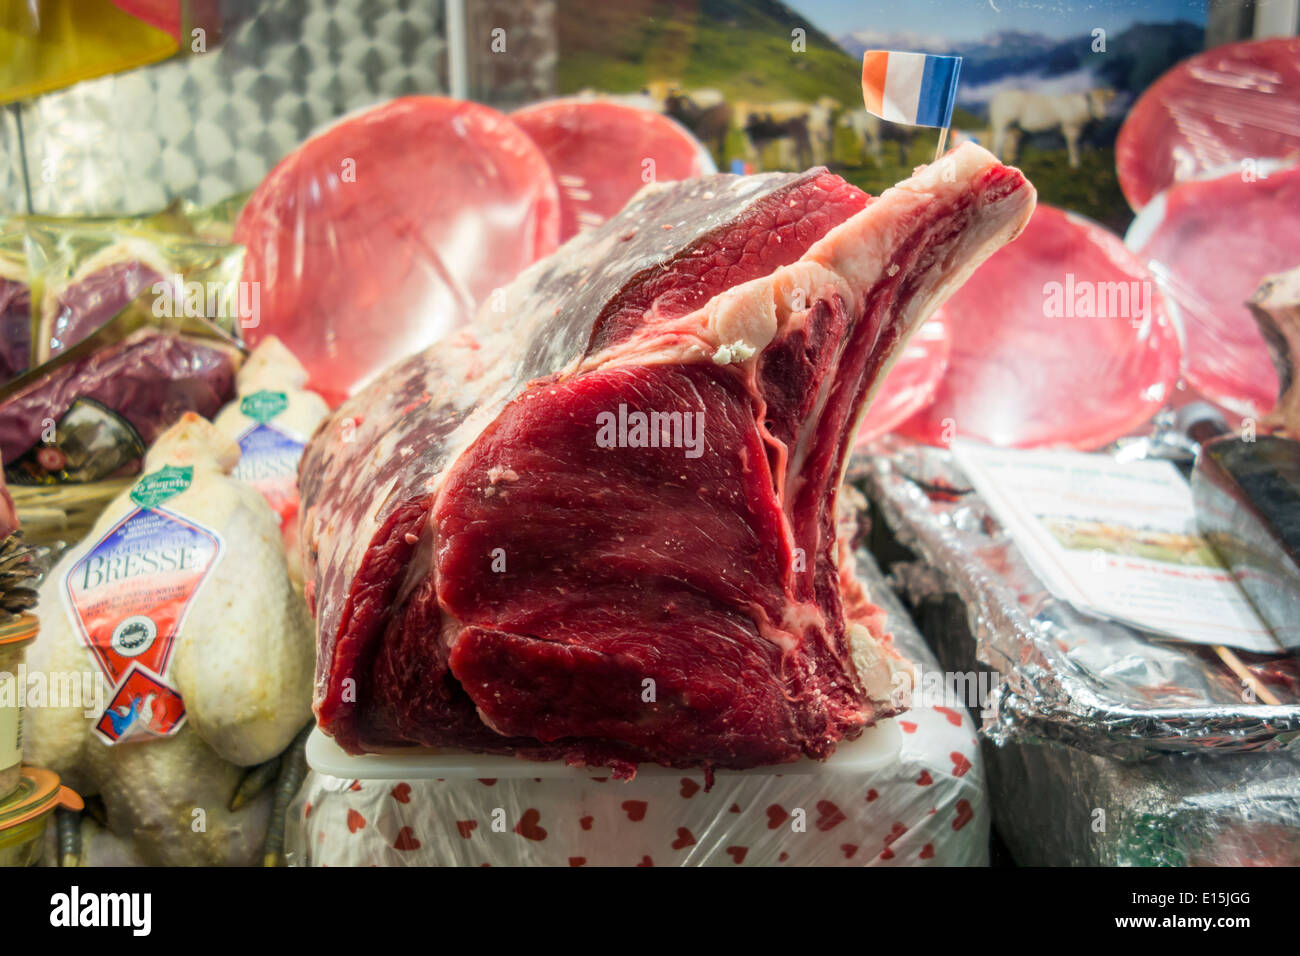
[269,453]
[128,596]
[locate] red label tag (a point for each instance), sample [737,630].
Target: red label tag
[129,595]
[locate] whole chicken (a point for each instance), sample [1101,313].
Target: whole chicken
[271,419]
[179,603]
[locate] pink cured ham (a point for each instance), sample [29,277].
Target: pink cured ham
[1213,243]
[1022,375]
[510,533]
[379,235]
[602,153]
[913,381]
[1234,102]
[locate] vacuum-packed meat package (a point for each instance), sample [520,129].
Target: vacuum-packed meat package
[386,230]
[1060,339]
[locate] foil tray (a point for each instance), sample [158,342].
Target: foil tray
[1062,675]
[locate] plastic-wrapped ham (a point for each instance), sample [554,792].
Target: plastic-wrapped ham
[603,152]
[1232,103]
[1209,243]
[600,526]
[1062,338]
[387,230]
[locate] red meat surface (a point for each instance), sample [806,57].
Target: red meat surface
[379,235]
[1018,376]
[487,573]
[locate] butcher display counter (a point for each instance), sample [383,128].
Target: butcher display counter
[1103,747]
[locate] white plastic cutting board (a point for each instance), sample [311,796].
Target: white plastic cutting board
[876,748]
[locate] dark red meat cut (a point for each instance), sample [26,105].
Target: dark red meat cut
[1234,102]
[82,306]
[498,559]
[1210,247]
[602,153]
[1033,363]
[382,233]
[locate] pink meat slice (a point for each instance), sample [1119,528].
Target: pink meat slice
[1234,102]
[486,573]
[1018,376]
[602,153]
[379,235]
[1216,240]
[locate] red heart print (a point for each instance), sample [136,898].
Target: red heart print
[646,861]
[776,816]
[689,787]
[872,795]
[896,831]
[585,822]
[954,718]
[908,726]
[925,779]
[888,854]
[356,785]
[960,763]
[577,860]
[355,821]
[927,852]
[964,814]
[684,839]
[466,827]
[306,811]
[848,849]
[829,815]
[635,810]
[488,781]
[402,793]
[738,853]
[406,840]
[528,828]
[735,808]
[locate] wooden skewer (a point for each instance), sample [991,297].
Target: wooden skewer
[1242,671]
[943,141]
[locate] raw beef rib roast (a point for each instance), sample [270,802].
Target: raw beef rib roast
[601,526]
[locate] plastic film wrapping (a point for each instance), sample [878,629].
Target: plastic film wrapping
[1061,338]
[1235,102]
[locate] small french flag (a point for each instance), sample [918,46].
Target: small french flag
[913,88]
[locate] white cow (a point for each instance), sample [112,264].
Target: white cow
[1014,111]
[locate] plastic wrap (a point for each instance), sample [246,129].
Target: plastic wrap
[144,382]
[1099,686]
[387,230]
[1209,243]
[1232,103]
[927,807]
[601,153]
[1061,338]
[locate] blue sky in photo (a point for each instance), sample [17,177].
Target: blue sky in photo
[966,20]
